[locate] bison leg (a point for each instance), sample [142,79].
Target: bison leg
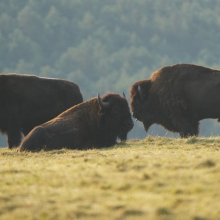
[14,137]
[34,141]
[189,128]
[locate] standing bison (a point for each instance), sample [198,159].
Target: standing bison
[27,101]
[177,97]
[94,123]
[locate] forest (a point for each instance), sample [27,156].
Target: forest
[106,46]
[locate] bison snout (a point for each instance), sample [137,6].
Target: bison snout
[126,126]
[134,115]
[129,124]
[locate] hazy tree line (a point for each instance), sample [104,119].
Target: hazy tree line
[107,45]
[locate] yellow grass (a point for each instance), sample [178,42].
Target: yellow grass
[156,178]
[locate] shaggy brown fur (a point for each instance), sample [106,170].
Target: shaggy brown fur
[83,126]
[27,101]
[177,97]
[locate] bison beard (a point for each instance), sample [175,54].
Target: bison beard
[177,97]
[27,101]
[95,123]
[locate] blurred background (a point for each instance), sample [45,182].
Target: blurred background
[108,45]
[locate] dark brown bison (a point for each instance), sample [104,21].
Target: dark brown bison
[94,123]
[177,97]
[27,101]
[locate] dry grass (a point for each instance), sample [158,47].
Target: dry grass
[156,178]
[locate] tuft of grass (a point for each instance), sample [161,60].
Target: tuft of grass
[154,178]
[162,211]
[132,212]
[192,140]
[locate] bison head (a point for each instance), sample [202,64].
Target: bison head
[140,99]
[115,115]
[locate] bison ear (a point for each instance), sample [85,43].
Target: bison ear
[140,90]
[144,88]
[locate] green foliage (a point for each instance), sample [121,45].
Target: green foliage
[117,42]
[107,45]
[155,178]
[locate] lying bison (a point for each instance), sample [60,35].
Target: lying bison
[27,101]
[94,123]
[177,97]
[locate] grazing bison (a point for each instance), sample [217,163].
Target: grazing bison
[177,97]
[94,123]
[27,101]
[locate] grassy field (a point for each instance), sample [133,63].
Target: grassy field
[156,178]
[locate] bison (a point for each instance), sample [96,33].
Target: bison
[27,101]
[95,123]
[177,97]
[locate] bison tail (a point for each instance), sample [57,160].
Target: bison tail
[34,141]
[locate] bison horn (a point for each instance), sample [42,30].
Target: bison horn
[139,90]
[103,104]
[124,96]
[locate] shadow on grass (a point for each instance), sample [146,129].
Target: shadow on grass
[121,144]
[52,152]
[206,164]
[13,171]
